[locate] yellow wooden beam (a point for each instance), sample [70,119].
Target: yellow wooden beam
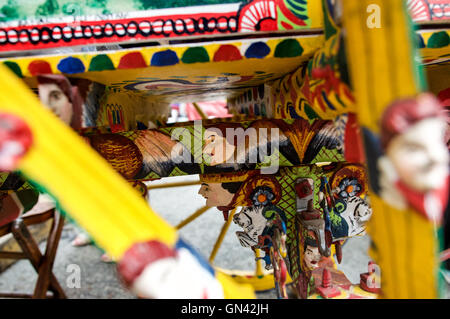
[222,234]
[192,217]
[383,69]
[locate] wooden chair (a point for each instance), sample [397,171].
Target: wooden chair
[43,264]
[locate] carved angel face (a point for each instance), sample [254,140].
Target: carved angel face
[54,98]
[420,156]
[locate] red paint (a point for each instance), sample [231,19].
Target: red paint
[354,149]
[268,25]
[39,67]
[227,52]
[366,277]
[139,256]
[445,255]
[250,110]
[305,89]
[205,294]
[338,247]
[132,60]
[245,78]
[117,125]
[327,290]
[303,189]
[286,25]
[292,91]
[13,130]
[288,14]
[114,38]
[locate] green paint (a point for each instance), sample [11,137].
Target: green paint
[13,66]
[97,3]
[438,40]
[13,10]
[288,48]
[281,18]
[418,71]
[101,62]
[329,25]
[48,8]
[194,55]
[341,60]
[159,4]
[311,113]
[9,11]
[72,9]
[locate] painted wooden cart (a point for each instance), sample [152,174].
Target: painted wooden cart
[331,134]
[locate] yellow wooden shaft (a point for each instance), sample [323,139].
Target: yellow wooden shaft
[259,269]
[382,69]
[178,184]
[86,186]
[200,111]
[222,234]
[192,217]
[380,59]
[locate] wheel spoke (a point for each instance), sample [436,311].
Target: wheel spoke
[191,218]
[221,236]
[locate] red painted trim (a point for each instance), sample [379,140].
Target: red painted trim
[122,30]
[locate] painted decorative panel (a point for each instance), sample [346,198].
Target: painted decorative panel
[221,147]
[53,23]
[428,10]
[179,73]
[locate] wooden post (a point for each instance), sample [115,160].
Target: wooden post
[381,57]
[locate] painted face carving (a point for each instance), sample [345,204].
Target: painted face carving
[419,155]
[242,220]
[54,98]
[216,148]
[363,213]
[215,194]
[312,257]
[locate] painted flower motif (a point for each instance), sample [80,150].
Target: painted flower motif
[262,196]
[349,187]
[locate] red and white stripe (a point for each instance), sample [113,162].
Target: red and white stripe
[56,33]
[67,31]
[145,27]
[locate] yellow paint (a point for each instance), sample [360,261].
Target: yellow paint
[259,283]
[406,251]
[234,291]
[427,34]
[382,70]
[269,64]
[380,59]
[82,181]
[259,272]
[345,294]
